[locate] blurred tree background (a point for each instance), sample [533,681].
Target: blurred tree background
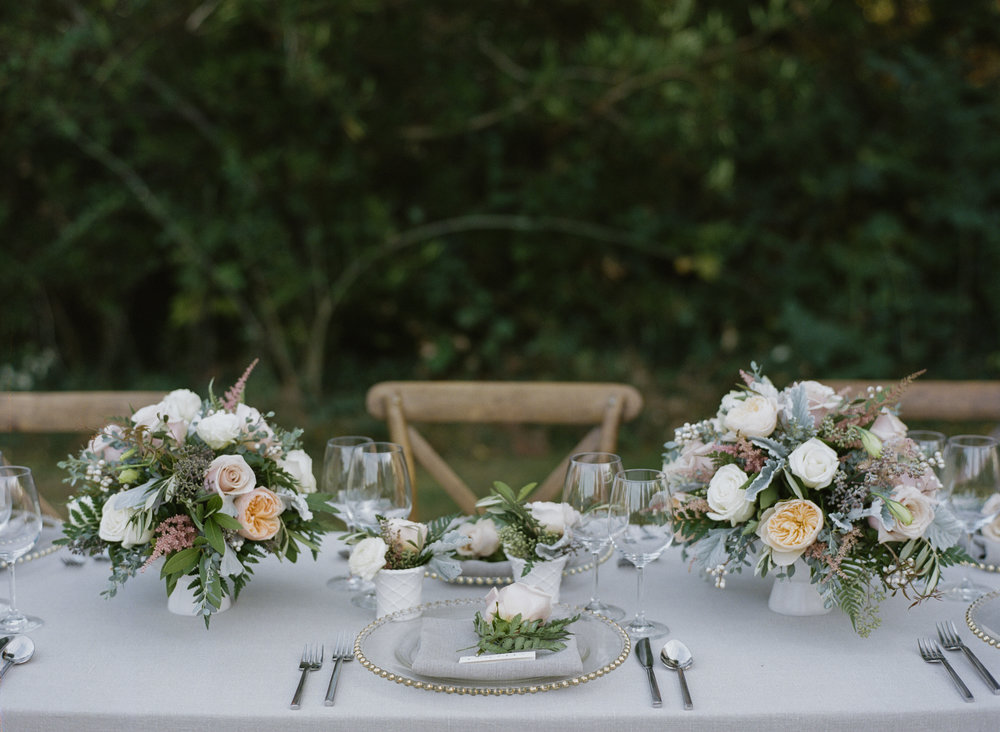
[653,192]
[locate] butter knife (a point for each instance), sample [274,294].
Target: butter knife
[645,656]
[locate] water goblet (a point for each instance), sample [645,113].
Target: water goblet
[587,488]
[931,445]
[641,529]
[19,531]
[378,485]
[336,471]
[971,476]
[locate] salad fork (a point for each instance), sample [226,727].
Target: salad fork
[343,653]
[951,641]
[931,652]
[312,659]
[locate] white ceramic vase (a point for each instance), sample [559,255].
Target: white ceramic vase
[545,575]
[796,595]
[398,589]
[181,600]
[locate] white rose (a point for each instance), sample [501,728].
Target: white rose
[251,422]
[102,445]
[789,528]
[755,416]
[555,518]
[992,530]
[821,399]
[814,463]
[888,427]
[518,599]
[727,497]
[126,525]
[921,508]
[299,465]
[181,405]
[483,538]
[149,417]
[407,536]
[219,430]
[368,557]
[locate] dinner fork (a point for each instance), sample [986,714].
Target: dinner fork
[343,653]
[950,640]
[312,659]
[931,652]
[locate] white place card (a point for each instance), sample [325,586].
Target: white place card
[490,657]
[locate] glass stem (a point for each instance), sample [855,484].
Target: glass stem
[593,593]
[640,591]
[12,612]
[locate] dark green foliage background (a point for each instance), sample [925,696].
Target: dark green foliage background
[656,192]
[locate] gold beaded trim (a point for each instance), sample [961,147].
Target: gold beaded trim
[976,630]
[507,579]
[982,565]
[32,555]
[481,690]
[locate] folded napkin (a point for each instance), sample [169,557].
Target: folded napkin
[442,642]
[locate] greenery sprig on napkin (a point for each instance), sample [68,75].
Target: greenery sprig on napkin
[517,619]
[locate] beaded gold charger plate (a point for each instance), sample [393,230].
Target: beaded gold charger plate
[983,618]
[478,572]
[387,647]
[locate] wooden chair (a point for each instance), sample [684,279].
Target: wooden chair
[927,399]
[401,403]
[67,411]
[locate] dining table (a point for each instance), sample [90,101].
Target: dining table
[127,663]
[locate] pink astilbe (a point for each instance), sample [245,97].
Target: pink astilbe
[235,393]
[175,533]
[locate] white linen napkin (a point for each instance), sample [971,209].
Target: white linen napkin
[443,642]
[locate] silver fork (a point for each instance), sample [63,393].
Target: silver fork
[931,652]
[950,640]
[312,659]
[342,654]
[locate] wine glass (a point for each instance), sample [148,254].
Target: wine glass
[589,479]
[21,527]
[378,485]
[641,529]
[971,477]
[336,471]
[931,445]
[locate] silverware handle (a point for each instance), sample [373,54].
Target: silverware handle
[654,690]
[983,671]
[331,690]
[685,694]
[297,699]
[966,694]
[6,665]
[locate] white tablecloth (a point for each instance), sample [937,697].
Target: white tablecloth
[128,664]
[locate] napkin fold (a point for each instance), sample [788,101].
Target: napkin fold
[442,642]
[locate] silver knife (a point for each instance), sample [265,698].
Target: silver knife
[645,656]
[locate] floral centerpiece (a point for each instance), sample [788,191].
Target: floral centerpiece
[403,544]
[810,477]
[517,619]
[531,531]
[209,484]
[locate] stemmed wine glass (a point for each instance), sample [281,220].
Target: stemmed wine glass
[971,476]
[336,471]
[641,529]
[931,445]
[589,480]
[378,485]
[20,528]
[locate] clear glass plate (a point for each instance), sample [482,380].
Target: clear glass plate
[983,618]
[388,646]
[478,572]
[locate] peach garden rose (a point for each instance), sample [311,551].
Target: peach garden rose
[789,528]
[258,513]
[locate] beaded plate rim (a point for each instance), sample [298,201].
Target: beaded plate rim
[976,630]
[508,579]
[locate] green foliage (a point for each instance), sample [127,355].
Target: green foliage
[191,182]
[516,634]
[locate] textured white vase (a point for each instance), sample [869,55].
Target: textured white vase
[398,589]
[181,600]
[796,595]
[545,575]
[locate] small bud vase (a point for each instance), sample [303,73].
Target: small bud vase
[546,575]
[181,601]
[796,595]
[398,589]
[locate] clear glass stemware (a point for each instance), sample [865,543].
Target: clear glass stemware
[19,531]
[378,485]
[589,480]
[336,471]
[971,476]
[641,529]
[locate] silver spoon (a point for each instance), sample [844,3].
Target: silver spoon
[677,657]
[18,650]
